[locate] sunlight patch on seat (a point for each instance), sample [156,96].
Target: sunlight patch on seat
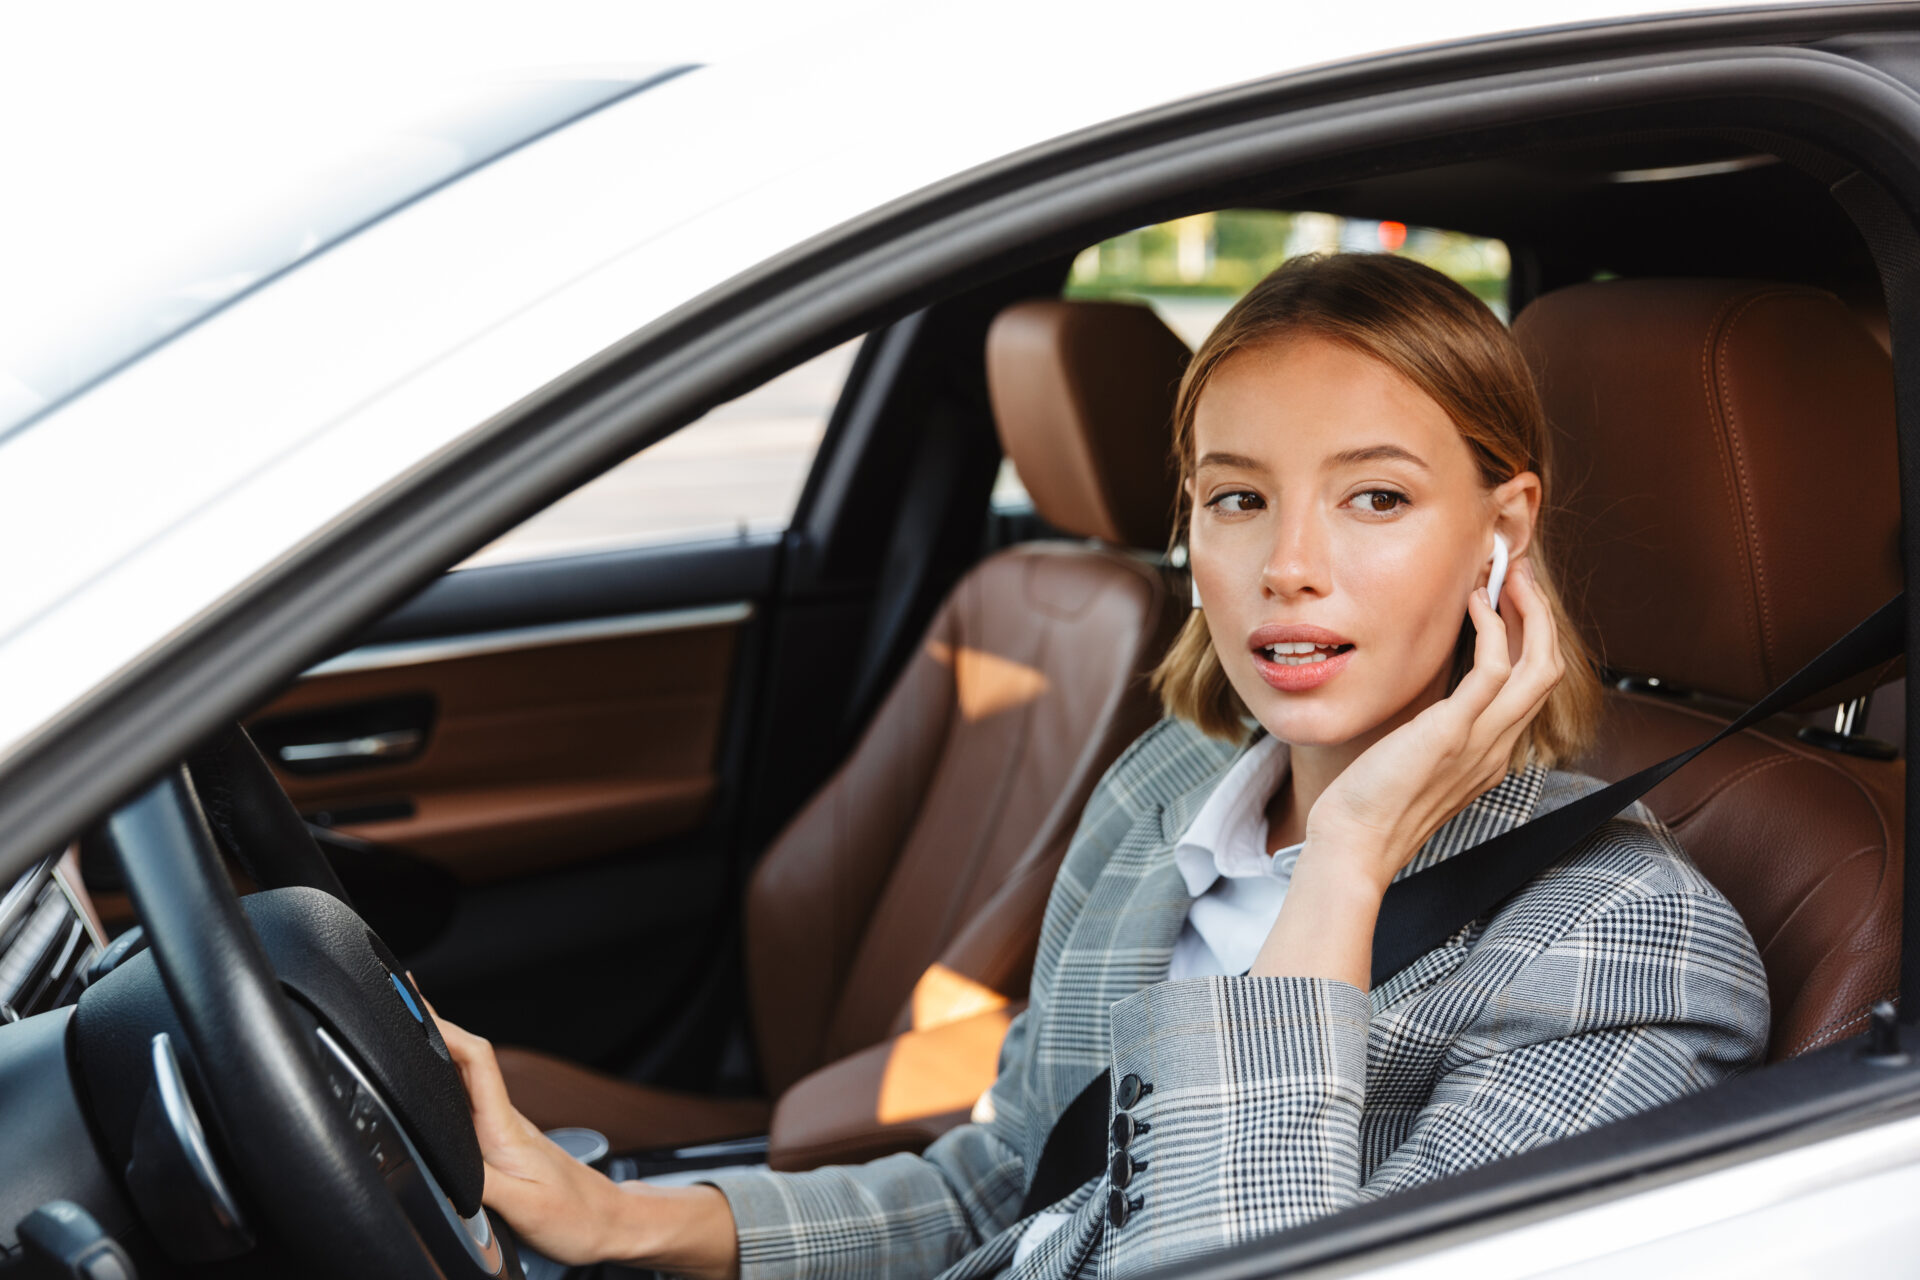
[987,683]
[942,996]
[943,1071]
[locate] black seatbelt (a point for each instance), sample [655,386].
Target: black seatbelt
[1076,1147]
[1424,910]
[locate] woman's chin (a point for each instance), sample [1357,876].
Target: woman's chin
[1307,726]
[1331,715]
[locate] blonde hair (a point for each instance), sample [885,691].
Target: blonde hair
[1446,342]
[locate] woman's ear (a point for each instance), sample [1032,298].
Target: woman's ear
[1516,505]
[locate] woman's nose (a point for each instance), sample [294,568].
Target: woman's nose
[1297,564]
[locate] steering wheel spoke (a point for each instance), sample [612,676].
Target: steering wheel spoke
[455,1241]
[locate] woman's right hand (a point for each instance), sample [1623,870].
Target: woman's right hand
[574,1214]
[566,1210]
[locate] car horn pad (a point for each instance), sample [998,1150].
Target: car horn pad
[344,976]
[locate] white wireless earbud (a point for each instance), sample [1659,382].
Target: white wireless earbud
[1499,573]
[1196,593]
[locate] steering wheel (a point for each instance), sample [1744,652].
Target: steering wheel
[253,819]
[339,1105]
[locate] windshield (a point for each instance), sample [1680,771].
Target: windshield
[87,289]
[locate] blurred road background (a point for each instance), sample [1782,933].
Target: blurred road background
[738,470]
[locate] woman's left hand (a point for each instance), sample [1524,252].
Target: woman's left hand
[1376,815]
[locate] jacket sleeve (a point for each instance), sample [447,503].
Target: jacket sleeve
[1253,1122]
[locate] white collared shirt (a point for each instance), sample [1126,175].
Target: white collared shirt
[1237,886]
[1237,889]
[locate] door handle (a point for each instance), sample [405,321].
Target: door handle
[372,746]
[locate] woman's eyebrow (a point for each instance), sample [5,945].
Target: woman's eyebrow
[1239,460]
[1376,453]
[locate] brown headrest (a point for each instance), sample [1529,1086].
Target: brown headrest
[1083,396]
[1725,452]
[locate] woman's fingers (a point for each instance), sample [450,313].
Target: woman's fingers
[480,1072]
[1405,786]
[1491,665]
[1534,674]
[471,1055]
[558,1205]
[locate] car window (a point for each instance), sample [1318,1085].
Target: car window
[1192,269]
[735,472]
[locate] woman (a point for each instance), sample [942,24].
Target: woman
[1351,440]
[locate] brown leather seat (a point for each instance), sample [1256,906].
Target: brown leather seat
[1726,455]
[891,928]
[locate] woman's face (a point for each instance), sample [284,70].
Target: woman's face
[1339,524]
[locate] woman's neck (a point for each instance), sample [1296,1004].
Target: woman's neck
[1310,771]
[1312,768]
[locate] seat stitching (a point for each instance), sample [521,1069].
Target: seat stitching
[1789,749]
[1807,895]
[1859,1013]
[1055,832]
[950,922]
[1717,417]
[947,622]
[1755,565]
[1725,783]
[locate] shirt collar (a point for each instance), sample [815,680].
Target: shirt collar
[1204,810]
[1228,836]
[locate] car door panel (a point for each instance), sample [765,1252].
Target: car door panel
[521,776]
[552,751]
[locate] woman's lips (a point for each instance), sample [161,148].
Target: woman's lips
[1294,657]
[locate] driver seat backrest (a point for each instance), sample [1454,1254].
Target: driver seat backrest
[1725,458]
[909,892]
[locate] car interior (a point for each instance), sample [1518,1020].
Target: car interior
[883,936]
[888,929]
[738,846]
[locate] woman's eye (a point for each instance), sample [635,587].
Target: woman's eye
[1378,501]
[1236,500]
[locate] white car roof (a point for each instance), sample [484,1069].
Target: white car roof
[137,507]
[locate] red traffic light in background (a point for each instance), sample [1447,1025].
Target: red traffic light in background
[1392,236]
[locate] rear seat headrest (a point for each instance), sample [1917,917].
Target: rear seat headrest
[1083,397]
[1726,457]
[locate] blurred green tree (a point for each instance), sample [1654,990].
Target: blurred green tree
[1192,269]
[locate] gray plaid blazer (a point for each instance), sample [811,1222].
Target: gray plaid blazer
[1617,980]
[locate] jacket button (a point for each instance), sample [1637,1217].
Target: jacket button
[1125,1129]
[1122,1167]
[1129,1092]
[1120,1208]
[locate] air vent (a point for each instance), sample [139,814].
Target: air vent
[45,945]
